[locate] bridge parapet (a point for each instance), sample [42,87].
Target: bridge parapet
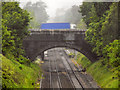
[57,31]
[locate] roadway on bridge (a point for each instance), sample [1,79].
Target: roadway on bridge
[60,72]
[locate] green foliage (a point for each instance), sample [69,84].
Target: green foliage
[16,75]
[17,71]
[81,25]
[8,42]
[84,61]
[71,55]
[85,8]
[113,53]
[104,36]
[104,77]
[109,30]
[101,7]
[15,23]
[93,9]
[93,36]
[23,60]
[103,33]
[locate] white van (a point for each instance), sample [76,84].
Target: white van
[46,53]
[73,26]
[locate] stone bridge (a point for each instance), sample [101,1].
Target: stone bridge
[41,40]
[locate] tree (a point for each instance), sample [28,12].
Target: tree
[15,23]
[38,12]
[82,25]
[103,33]
[73,15]
[100,8]
[0,27]
[70,15]
[85,8]
[109,30]
[98,34]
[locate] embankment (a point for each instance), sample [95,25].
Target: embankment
[16,75]
[103,75]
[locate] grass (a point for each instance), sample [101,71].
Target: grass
[101,74]
[16,75]
[81,59]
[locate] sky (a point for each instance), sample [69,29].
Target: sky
[53,5]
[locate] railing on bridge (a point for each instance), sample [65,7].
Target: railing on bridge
[57,29]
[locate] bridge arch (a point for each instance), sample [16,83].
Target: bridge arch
[87,52]
[39,41]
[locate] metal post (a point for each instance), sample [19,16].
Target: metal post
[42,56]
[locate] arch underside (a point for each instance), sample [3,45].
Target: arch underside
[80,48]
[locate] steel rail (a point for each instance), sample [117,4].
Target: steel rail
[73,71]
[50,74]
[68,75]
[41,82]
[60,86]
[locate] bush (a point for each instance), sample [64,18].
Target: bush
[71,55]
[113,53]
[23,60]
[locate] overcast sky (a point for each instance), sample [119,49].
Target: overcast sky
[52,5]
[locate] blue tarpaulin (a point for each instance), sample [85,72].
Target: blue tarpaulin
[55,26]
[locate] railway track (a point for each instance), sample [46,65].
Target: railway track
[60,86]
[75,71]
[60,72]
[50,74]
[72,74]
[67,74]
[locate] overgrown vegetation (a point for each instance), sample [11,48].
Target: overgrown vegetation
[17,70]
[15,23]
[82,25]
[103,33]
[102,20]
[104,76]
[16,75]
